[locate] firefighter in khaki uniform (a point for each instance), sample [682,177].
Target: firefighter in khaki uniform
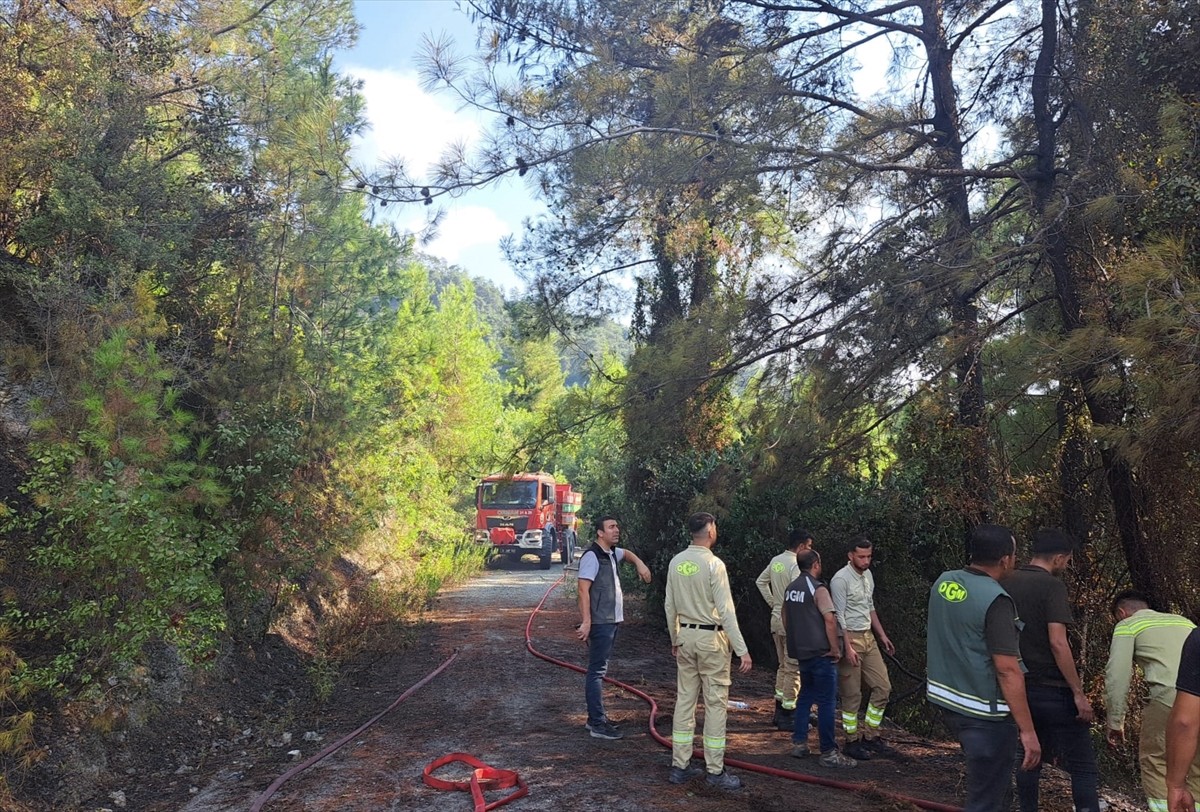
[703,626]
[772,582]
[1154,641]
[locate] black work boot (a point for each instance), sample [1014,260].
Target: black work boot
[787,719]
[857,750]
[724,780]
[775,720]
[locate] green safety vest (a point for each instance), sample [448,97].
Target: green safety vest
[961,674]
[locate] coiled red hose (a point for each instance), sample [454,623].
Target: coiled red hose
[933,806]
[483,778]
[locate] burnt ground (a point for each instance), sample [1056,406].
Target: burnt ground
[220,749]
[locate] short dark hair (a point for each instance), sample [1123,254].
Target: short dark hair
[607,517]
[797,537]
[859,543]
[698,521]
[1051,541]
[805,559]
[989,543]
[1128,599]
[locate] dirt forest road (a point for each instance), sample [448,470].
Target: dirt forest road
[514,711]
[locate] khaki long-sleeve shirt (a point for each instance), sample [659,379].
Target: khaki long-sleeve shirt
[853,598]
[773,581]
[1153,640]
[698,592]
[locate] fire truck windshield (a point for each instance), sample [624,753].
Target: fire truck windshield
[508,495]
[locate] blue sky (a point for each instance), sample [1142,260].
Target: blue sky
[411,123]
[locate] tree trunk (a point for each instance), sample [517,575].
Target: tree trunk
[1106,408]
[1072,472]
[959,257]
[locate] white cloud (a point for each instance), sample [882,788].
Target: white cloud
[416,126]
[407,122]
[464,228]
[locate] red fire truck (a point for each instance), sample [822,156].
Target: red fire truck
[513,510]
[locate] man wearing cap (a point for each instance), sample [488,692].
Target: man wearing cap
[703,625]
[1062,714]
[772,582]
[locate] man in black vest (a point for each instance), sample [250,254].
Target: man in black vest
[601,607]
[810,625]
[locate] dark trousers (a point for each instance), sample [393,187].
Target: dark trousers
[600,646]
[1065,741]
[818,686]
[990,749]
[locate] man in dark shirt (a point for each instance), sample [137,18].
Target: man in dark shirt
[974,669]
[1061,712]
[1183,731]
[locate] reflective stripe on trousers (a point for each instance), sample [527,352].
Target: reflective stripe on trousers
[701,670]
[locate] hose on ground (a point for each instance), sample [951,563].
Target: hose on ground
[933,806]
[483,778]
[333,748]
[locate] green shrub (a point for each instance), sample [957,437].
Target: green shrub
[122,527]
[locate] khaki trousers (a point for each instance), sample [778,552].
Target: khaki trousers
[787,676]
[701,668]
[871,673]
[1152,758]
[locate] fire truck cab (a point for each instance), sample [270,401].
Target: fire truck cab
[513,512]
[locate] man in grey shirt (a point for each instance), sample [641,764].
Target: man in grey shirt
[601,607]
[853,591]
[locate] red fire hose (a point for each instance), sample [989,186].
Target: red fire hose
[933,806]
[483,778]
[333,748]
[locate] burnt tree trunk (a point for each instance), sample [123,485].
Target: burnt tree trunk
[1072,471]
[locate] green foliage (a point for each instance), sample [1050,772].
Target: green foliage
[271,383]
[122,531]
[275,512]
[590,444]
[428,388]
